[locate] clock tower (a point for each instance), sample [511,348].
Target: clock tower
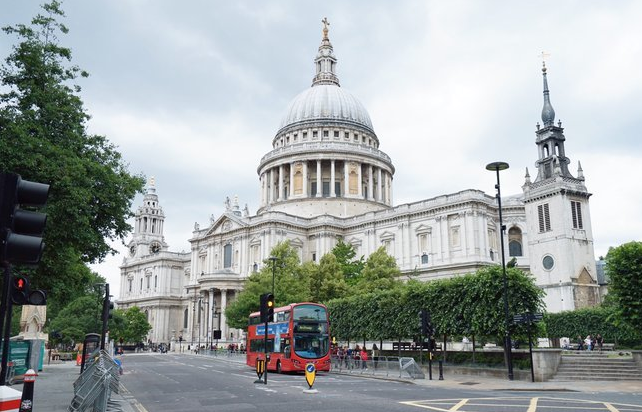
[148,236]
[559,223]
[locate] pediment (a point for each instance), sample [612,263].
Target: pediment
[585,278]
[387,235]
[225,223]
[423,229]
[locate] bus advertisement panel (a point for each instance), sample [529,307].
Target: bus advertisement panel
[299,335]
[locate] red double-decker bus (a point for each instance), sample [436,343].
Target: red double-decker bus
[300,334]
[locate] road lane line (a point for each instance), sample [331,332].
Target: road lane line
[532,407]
[459,405]
[611,407]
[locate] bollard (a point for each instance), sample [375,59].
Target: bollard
[430,367]
[441,370]
[26,402]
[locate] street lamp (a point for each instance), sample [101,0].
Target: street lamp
[496,167]
[273,259]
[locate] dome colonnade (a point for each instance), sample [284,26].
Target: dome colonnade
[326,150]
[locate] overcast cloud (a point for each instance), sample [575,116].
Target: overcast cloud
[192,93]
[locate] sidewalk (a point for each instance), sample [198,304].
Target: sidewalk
[480,382]
[54,388]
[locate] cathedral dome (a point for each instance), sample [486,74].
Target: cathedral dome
[326,102]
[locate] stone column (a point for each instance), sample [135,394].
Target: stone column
[379,186]
[370,183]
[222,315]
[291,179]
[332,177]
[346,179]
[359,181]
[319,182]
[281,182]
[305,178]
[212,308]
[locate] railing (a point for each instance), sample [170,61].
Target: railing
[389,366]
[93,388]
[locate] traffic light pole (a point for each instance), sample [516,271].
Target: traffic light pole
[5,313]
[265,347]
[105,317]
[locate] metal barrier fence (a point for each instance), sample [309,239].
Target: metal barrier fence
[389,366]
[93,388]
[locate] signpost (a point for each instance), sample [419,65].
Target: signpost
[529,318]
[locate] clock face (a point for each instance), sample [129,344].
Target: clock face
[132,250]
[155,247]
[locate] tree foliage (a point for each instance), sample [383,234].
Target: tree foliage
[380,272]
[462,305]
[582,322]
[43,137]
[296,282]
[351,266]
[130,325]
[624,268]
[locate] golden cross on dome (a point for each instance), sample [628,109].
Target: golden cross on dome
[326,23]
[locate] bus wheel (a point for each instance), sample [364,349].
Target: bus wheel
[278,367]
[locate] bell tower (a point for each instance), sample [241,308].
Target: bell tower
[148,236]
[559,221]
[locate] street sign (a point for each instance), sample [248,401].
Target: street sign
[527,317]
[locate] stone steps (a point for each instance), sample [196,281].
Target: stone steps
[596,367]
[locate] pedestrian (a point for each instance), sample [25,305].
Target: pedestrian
[588,342]
[364,358]
[375,354]
[341,354]
[580,342]
[599,340]
[349,357]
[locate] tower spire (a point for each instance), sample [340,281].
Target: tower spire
[548,114]
[325,63]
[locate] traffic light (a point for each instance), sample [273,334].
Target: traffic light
[110,310]
[267,307]
[21,293]
[270,307]
[21,230]
[424,318]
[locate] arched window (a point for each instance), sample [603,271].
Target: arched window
[185,317]
[227,256]
[515,241]
[155,281]
[424,259]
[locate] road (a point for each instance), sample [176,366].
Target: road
[169,382]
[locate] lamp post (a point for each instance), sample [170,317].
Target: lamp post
[496,167]
[273,259]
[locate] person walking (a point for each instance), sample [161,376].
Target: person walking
[364,358]
[580,342]
[375,354]
[588,342]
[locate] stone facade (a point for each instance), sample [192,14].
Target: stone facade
[326,179]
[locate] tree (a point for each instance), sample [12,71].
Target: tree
[44,138]
[350,267]
[130,325]
[291,285]
[81,316]
[327,281]
[380,272]
[624,266]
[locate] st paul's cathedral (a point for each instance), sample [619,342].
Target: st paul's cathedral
[325,180]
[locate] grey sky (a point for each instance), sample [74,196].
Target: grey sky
[192,92]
